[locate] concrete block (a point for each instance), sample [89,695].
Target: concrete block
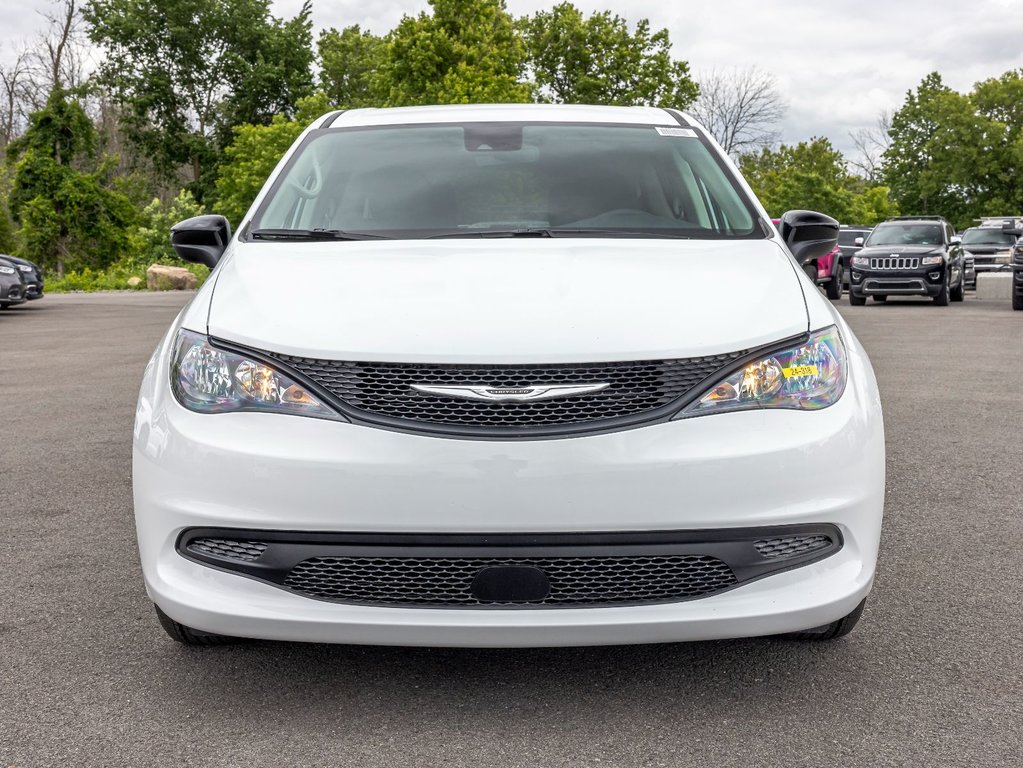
[994,286]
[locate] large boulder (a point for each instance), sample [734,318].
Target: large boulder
[160,277]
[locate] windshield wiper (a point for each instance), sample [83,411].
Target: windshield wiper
[524,232]
[555,232]
[616,233]
[313,234]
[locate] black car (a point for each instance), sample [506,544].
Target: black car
[990,245]
[909,256]
[32,273]
[1017,276]
[848,234]
[12,284]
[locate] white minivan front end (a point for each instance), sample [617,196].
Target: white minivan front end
[547,378]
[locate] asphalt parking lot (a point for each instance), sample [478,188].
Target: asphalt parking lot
[933,675]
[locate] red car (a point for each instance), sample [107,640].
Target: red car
[829,273]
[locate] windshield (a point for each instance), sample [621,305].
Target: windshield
[473,179]
[848,236]
[988,237]
[905,234]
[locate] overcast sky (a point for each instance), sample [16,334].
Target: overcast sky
[838,63]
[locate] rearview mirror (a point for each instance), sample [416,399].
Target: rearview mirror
[858,242]
[201,239]
[808,234]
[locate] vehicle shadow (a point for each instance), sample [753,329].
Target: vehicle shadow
[369,683]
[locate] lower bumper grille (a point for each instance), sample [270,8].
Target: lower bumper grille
[449,581]
[787,546]
[508,571]
[229,548]
[895,285]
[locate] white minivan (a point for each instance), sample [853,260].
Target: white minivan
[507,375]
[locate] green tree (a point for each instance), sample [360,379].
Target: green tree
[153,234]
[1000,101]
[465,52]
[810,175]
[946,157]
[349,61]
[255,152]
[598,60]
[872,206]
[69,217]
[8,242]
[186,72]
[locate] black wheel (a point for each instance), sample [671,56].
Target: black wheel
[857,301]
[811,272]
[942,298]
[881,299]
[187,635]
[834,286]
[1017,298]
[834,630]
[959,292]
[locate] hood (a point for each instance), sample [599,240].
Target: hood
[985,249]
[508,300]
[900,250]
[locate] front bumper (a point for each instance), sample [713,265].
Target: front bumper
[283,473]
[918,282]
[10,294]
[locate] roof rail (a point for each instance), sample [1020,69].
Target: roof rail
[916,218]
[1010,224]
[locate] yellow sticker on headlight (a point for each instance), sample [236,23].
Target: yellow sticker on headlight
[799,371]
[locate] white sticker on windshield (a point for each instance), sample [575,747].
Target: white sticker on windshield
[686,133]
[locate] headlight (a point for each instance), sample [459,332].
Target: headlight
[928,261]
[6,270]
[23,268]
[807,377]
[860,261]
[209,380]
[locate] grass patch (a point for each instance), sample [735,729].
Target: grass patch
[113,279]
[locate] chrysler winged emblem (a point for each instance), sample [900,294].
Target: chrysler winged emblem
[509,394]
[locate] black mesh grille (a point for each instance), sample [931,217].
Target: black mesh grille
[436,581]
[236,550]
[385,389]
[787,546]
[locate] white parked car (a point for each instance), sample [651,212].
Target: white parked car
[553,379]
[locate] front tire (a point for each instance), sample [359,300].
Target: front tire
[834,630]
[857,301]
[942,298]
[187,635]
[834,286]
[1017,298]
[959,292]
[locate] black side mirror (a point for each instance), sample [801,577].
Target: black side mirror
[808,234]
[201,239]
